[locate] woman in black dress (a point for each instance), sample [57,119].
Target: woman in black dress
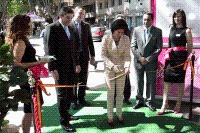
[180,47]
[17,36]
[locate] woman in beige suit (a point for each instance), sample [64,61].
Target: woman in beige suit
[116,56]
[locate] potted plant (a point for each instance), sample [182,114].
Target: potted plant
[10,75]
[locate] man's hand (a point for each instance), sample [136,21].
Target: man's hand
[78,69]
[143,61]
[92,60]
[55,74]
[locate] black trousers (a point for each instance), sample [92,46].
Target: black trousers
[82,78]
[127,88]
[65,96]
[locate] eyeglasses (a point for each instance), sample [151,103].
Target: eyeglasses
[68,17]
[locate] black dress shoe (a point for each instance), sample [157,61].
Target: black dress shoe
[151,107]
[74,106]
[84,103]
[138,105]
[128,101]
[87,88]
[68,128]
[74,118]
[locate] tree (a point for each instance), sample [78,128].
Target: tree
[17,7]
[50,7]
[46,8]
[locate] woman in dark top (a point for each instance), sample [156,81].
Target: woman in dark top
[17,36]
[180,47]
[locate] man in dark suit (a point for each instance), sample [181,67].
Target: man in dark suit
[87,53]
[63,43]
[146,46]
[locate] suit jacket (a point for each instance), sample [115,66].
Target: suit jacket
[116,55]
[150,49]
[65,50]
[86,39]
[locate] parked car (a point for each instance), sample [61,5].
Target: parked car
[97,33]
[107,31]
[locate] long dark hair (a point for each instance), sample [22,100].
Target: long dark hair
[18,28]
[183,18]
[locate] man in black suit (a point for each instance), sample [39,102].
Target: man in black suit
[87,53]
[63,43]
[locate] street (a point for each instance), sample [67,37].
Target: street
[96,74]
[38,45]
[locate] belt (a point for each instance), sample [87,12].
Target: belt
[169,50]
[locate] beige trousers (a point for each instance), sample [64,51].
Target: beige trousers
[111,92]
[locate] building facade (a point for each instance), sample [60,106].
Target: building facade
[90,8]
[103,12]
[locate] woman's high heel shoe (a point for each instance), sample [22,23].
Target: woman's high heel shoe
[176,111]
[111,123]
[163,110]
[161,113]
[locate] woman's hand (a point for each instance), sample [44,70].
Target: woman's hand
[127,70]
[116,68]
[43,61]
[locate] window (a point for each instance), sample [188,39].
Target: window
[106,3]
[120,2]
[100,6]
[128,1]
[77,1]
[113,3]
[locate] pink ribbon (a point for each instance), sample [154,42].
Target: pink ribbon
[169,50]
[39,71]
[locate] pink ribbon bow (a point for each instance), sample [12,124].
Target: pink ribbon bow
[169,50]
[39,71]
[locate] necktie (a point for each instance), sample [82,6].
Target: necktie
[67,31]
[78,26]
[146,34]
[79,29]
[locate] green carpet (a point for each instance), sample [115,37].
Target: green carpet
[94,119]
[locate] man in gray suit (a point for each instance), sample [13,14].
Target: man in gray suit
[146,46]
